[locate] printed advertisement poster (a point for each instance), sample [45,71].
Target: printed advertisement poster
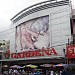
[33,35]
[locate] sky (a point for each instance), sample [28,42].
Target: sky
[9,8]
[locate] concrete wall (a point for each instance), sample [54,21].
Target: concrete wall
[59,27]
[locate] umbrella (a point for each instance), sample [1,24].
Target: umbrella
[16,66]
[28,65]
[47,65]
[32,66]
[24,66]
[60,65]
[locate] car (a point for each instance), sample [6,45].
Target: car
[69,70]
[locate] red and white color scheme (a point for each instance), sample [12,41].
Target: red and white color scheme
[45,24]
[70,51]
[41,53]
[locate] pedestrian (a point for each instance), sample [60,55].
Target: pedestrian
[52,73]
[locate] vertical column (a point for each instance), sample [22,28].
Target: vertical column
[50,30]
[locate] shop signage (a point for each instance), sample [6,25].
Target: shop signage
[35,53]
[40,52]
[70,51]
[7,54]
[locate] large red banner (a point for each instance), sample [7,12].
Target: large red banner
[70,51]
[36,53]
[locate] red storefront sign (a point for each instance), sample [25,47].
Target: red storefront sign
[70,51]
[40,52]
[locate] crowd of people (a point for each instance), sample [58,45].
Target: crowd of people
[48,71]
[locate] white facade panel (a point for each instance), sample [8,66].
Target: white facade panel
[59,23]
[54,21]
[12,40]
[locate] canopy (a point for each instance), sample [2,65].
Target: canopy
[16,66]
[60,65]
[47,65]
[32,66]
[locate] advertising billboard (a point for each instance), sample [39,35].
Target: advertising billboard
[33,34]
[70,51]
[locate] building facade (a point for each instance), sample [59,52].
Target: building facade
[40,33]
